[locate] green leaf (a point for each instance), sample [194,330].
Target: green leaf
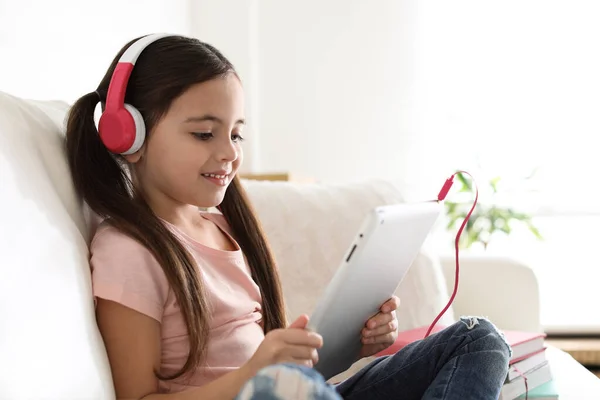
[473,237]
[452,221]
[494,184]
[466,184]
[470,223]
[506,228]
[451,207]
[519,216]
[487,218]
[535,231]
[493,222]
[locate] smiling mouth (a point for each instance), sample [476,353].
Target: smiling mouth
[219,180]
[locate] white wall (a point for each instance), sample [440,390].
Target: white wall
[61,49]
[347,89]
[335,88]
[514,85]
[412,91]
[327,83]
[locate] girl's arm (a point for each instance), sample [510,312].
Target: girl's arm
[132,341]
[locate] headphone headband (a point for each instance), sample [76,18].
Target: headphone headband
[115,96]
[133,52]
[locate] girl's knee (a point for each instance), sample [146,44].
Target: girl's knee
[287,381]
[485,330]
[282,372]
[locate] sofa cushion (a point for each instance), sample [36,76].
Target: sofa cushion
[49,342]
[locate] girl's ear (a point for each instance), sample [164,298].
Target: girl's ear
[137,156]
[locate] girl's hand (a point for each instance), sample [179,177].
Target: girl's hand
[292,345]
[380,331]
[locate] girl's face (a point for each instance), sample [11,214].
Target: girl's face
[194,151]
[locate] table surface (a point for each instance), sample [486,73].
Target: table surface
[573,380]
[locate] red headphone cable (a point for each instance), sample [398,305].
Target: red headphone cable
[441,196]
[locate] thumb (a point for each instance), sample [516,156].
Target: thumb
[300,322]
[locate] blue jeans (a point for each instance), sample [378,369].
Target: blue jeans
[467,360]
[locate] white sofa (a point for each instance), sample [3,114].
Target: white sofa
[50,347]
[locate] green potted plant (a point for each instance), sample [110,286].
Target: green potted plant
[488,219]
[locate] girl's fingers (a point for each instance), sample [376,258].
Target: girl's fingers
[392,304]
[388,339]
[384,329]
[302,353]
[380,319]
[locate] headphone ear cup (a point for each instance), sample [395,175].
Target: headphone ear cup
[122,131]
[140,129]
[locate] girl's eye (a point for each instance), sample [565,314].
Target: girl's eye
[237,137]
[203,135]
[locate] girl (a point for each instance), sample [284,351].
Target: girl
[189,302]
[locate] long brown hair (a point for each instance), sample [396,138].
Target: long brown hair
[164,71]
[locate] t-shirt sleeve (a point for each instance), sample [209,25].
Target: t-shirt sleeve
[124,271]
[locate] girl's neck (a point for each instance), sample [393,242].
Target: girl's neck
[172,211]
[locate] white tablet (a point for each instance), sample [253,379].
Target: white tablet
[373,267]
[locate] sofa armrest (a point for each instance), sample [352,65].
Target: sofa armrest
[500,288]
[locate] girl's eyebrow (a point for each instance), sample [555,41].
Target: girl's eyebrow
[212,118]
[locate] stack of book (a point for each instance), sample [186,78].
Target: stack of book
[546,391]
[529,376]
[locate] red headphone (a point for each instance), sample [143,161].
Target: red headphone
[121,125]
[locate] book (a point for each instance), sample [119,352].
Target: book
[522,343]
[535,378]
[407,337]
[546,391]
[525,364]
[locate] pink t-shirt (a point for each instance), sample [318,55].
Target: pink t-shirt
[124,271]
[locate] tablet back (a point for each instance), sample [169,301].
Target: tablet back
[375,264]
